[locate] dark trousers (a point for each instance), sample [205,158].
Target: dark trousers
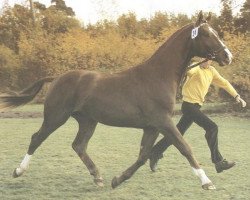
[191,113]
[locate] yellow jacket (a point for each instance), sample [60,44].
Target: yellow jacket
[198,81]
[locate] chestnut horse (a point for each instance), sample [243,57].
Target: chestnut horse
[140,97]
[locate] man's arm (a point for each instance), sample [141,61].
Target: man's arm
[221,82]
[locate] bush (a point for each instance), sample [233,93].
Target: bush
[238,72]
[37,57]
[9,64]
[108,52]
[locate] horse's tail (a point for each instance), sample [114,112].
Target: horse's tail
[23,97]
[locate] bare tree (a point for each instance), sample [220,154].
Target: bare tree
[32,11]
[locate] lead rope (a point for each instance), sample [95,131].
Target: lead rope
[184,75]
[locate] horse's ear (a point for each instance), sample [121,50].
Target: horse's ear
[200,19]
[209,17]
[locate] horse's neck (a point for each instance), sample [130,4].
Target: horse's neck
[171,59]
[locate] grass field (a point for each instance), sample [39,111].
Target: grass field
[56,172]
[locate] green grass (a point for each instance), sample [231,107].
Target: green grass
[30,108]
[56,172]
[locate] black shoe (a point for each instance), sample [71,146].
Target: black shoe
[153,161]
[224,165]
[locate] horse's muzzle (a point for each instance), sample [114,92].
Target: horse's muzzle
[225,58]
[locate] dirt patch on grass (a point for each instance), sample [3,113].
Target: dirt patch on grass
[20,115]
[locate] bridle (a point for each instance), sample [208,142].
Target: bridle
[214,53]
[210,56]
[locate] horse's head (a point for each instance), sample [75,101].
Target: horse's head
[207,44]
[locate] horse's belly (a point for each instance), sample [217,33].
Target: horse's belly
[122,116]
[122,122]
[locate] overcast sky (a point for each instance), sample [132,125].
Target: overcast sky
[90,11]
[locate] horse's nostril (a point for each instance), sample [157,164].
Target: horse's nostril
[226,55]
[228,58]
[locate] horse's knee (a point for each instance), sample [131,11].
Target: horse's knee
[142,160]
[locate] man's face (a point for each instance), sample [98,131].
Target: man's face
[206,65]
[209,62]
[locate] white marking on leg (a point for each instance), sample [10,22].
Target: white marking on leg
[201,174]
[24,165]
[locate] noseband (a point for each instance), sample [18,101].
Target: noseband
[213,54]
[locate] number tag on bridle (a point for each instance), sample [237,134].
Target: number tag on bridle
[194,32]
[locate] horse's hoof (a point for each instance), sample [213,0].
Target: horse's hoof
[99,182]
[114,183]
[15,174]
[209,186]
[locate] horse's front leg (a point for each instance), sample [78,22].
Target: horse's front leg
[147,142]
[170,131]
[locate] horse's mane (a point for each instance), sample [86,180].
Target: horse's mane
[178,31]
[172,38]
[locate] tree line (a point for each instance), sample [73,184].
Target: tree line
[38,40]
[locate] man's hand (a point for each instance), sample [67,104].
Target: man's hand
[240,100]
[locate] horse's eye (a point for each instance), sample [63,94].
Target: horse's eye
[206,34]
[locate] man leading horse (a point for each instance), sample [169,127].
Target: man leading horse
[194,91]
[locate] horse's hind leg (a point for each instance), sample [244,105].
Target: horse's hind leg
[85,132]
[148,139]
[50,124]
